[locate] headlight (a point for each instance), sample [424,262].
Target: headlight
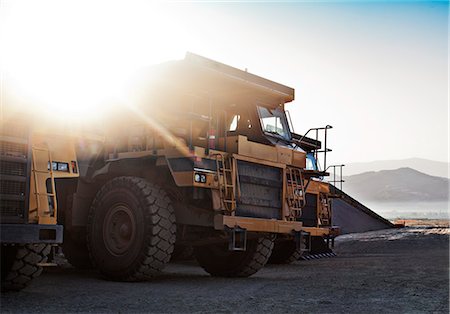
[59,166]
[200,178]
[62,166]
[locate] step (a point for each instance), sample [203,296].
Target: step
[42,171]
[46,194]
[41,149]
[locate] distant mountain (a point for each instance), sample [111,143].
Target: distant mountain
[431,167]
[400,185]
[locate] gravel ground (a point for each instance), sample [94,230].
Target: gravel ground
[399,270]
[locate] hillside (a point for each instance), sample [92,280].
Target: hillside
[400,185]
[430,167]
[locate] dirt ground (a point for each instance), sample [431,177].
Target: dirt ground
[396,270]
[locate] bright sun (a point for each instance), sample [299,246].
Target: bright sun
[74,57]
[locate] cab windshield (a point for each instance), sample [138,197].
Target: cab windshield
[273,121]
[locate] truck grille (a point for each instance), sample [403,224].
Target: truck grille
[11,149]
[261,190]
[13,168]
[9,187]
[10,209]
[14,173]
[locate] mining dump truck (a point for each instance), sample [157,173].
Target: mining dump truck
[32,159]
[199,154]
[316,213]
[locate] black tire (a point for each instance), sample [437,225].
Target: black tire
[218,261]
[131,229]
[286,252]
[76,253]
[74,245]
[20,264]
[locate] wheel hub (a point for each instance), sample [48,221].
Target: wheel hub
[119,229]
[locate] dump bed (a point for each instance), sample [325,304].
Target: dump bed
[205,77]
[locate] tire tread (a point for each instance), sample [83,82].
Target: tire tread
[25,266]
[159,242]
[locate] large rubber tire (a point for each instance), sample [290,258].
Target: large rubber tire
[74,245]
[76,253]
[285,252]
[20,264]
[131,229]
[218,261]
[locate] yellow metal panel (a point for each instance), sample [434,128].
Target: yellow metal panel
[317,187]
[183,178]
[299,159]
[318,232]
[260,161]
[256,150]
[257,224]
[284,155]
[211,181]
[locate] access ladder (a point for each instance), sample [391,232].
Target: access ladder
[295,191]
[49,206]
[226,174]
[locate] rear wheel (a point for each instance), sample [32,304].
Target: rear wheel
[217,260]
[76,252]
[20,264]
[131,229]
[286,252]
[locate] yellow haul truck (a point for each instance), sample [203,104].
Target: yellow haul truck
[200,154]
[32,161]
[316,213]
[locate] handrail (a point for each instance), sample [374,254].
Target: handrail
[325,149]
[334,175]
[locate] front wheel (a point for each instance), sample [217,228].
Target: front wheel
[217,260]
[286,252]
[21,263]
[131,229]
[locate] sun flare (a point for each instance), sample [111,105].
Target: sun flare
[75,58]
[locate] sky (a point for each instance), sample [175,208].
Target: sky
[376,71]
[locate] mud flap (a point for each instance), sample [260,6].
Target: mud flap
[238,239]
[302,241]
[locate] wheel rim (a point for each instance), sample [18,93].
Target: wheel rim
[119,229]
